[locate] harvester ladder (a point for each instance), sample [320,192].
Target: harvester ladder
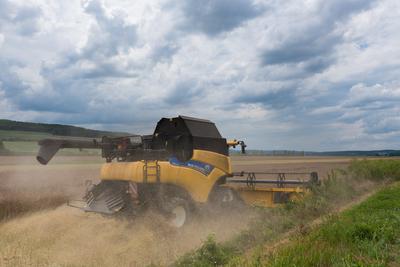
[151,168]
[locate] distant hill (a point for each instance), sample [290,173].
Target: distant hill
[366,153]
[55,129]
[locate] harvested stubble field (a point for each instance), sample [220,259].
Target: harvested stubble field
[38,229]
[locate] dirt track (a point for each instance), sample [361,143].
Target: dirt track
[66,236]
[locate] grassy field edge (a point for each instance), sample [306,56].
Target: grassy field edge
[338,189]
[365,235]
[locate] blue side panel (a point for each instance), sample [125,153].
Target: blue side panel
[204,168]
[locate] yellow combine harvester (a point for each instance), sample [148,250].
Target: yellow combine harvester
[183,164]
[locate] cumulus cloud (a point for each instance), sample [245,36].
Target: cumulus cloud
[281,98]
[363,96]
[22,19]
[310,42]
[215,17]
[72,83]
[376,107]
[109,35]
[312,75]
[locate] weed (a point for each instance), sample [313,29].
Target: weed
[376,170]
[209,254]
[359,237]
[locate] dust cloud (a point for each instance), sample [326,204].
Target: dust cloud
[68,236]
[23,177]
[65,236]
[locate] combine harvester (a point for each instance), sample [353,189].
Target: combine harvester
[185,163]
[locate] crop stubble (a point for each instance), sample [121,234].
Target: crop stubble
[67,236]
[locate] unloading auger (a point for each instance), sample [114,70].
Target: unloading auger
[184,164]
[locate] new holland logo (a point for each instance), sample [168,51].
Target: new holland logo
[204,168]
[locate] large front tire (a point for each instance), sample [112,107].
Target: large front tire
[225,198]
[177,212]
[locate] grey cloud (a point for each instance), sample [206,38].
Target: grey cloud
[103,70]
[381,122]
[374,96]
[214,17]
[301,49]
[164,52]
[66,97]
[318,64]
[184,92]
[277,99]
[114,78]
[5,9]
[27,20]
[57,103]
[113,35]
[314,44]
[15,90]
[335,11]
[10,83]
[376,107]
[24,19]
[72,86]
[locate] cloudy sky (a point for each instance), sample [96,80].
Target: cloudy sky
[306,75]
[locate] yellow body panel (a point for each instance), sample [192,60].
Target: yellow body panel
[220,161]
[197,184]
[264,196]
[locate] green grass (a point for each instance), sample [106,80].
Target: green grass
[367,235]
[54,129]
[20,142]
[31,148]
[209,254]
[7,135]
[376,169]
[339,188]
[25,143]
[21,147]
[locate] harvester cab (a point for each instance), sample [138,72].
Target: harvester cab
[183,164]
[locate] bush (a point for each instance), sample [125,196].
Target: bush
[209,254]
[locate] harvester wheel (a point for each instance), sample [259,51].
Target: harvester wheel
[177,211]
[224,198]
